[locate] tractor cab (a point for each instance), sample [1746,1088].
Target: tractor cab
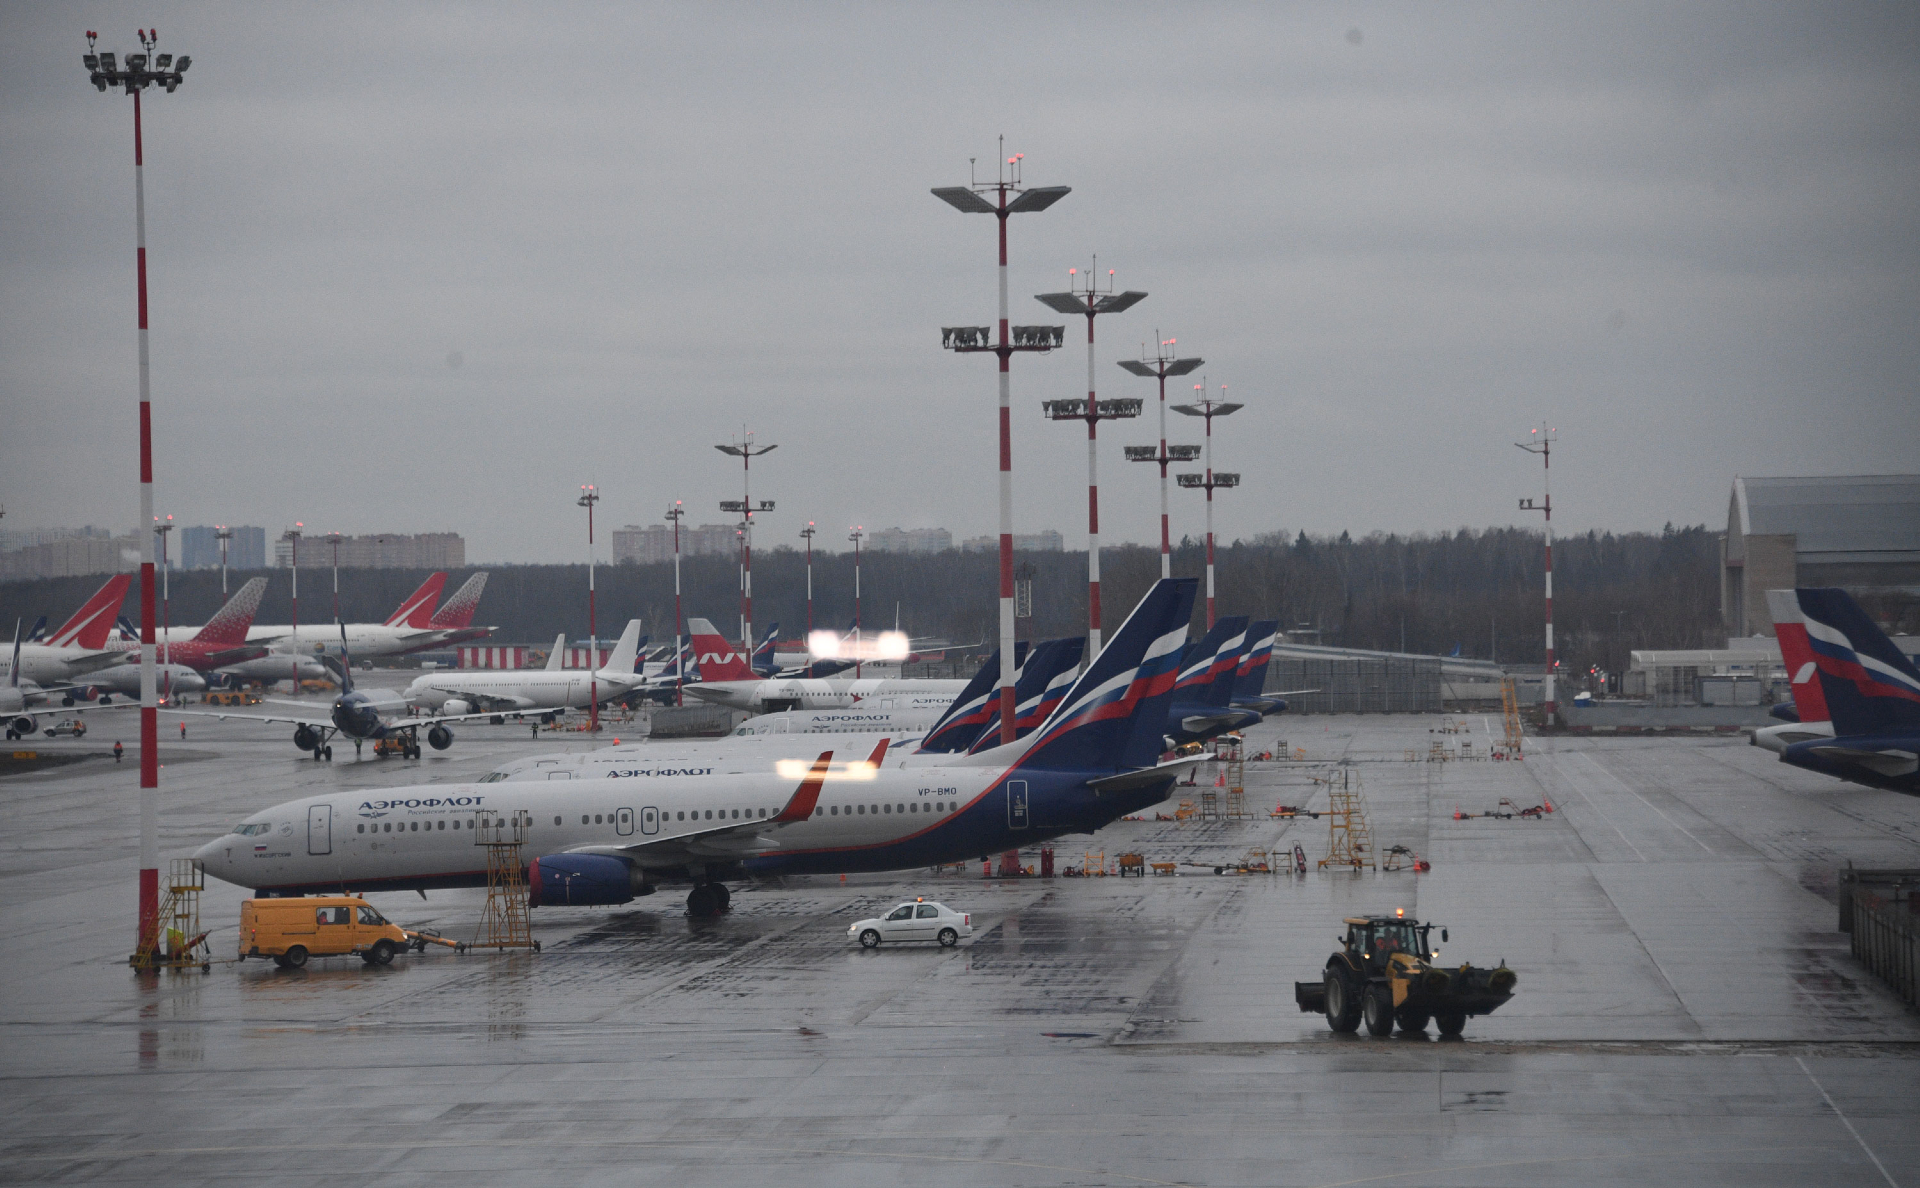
[1375,939]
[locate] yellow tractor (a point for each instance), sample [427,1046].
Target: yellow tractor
[1383,974]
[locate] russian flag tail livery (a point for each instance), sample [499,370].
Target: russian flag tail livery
[1870,688]
[715,657]
[960,726]
[89,626]
[1796,654]
[763,652]
[417,610]
[1043,684]
[38,632]
[1115,716]
[229,625]
[457,612]
[1203,663]
[1250,679]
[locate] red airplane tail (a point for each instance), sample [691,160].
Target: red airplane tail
[1796,655]
[229,626]
[90,624]
[715,658]
[417,610]
[457,612]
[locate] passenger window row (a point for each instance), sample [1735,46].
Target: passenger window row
[405,827]
[864,809]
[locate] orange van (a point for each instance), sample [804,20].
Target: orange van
[291,930]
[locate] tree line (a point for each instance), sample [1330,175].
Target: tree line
[1477,593]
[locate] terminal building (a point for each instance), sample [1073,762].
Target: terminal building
[384,550]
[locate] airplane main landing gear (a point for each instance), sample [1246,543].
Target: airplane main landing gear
[708,900]
[328,752]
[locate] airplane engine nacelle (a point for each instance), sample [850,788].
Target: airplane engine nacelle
[578,880]
[303,737]
[440,738]
[455,707]
[22,726]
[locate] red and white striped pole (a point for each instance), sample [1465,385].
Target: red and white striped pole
[1166,547]
[1008,711]
[149,936]
[1542,444]
[1209,521]
[590,495]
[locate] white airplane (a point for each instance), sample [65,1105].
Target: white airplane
[413,626]
[18,698]
[525,690]
[79,646]
[726,679]
[757,811]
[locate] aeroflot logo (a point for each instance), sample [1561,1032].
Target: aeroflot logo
[661,771]
[380,808]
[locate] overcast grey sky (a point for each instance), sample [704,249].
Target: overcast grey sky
[420,267]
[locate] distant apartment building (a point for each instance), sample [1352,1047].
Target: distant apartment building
[643,546]
[909,540]
[1048,541]
[65,552]
[200,548]
[383,550]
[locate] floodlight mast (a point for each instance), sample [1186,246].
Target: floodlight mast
[223,534]
[1209,408]
[855,536]
[590,495]
[807,533]
[674,513]
[746,451]
[1092,301]
[333,538]
[1541,442]
[964,339]
[104,71]
[292,535]
[1162,364]
[161,528]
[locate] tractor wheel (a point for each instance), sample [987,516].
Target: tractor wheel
[1452,1023]
[1377,1009]
[1412,1021]
[1343,1001]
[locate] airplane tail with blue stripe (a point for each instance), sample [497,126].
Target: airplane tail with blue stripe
[1250,679]
[1044,680]
[1114,717]
[1870,688]
[960,725]
[763,652]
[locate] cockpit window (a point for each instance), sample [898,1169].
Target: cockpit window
[252,830]
[492,777]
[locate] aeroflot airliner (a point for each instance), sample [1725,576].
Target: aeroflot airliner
[749,812]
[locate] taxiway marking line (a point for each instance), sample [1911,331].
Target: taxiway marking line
[1846,1122]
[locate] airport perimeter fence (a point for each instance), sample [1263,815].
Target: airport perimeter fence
[1881,910]
[1358,685]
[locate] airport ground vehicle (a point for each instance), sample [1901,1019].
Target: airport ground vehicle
[72,726]
[1382,974]
[921,920]
[291,930]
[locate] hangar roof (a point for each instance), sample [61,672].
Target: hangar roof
[1865,516]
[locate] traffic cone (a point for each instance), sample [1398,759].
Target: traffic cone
[1220,781]
[1457,814]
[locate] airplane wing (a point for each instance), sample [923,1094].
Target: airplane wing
[1888,762]
[316,723]
[98,660]
[406,723]
[507,704]
[70,710]
[734,839]
[1126,781]
[237,654]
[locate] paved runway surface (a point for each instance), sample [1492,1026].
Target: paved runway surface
[1686,1012]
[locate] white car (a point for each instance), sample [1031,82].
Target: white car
[921,920]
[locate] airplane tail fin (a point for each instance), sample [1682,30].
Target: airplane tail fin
[621,661]
[1204,663]
[1796,654]
[1869,686]
[1114,718]
[1226,664]
[90,624]
[458,611]
[962,722]
[229,624]
[763,652]
[37,633]
[1044,681]
[1250,679]
[122,624]
[13,662]
[342,668]
[557,659]
[715,658]
[417,610]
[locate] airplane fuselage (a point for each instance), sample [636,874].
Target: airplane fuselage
[512,690]
[423,838]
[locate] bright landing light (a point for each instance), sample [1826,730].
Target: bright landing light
[887,645]
[799,769]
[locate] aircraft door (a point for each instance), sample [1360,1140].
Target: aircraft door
[1017,804]
[320,829]
[649,820]
[559,775]
[623,822]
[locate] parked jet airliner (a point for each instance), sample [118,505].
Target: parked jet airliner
[606,841]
